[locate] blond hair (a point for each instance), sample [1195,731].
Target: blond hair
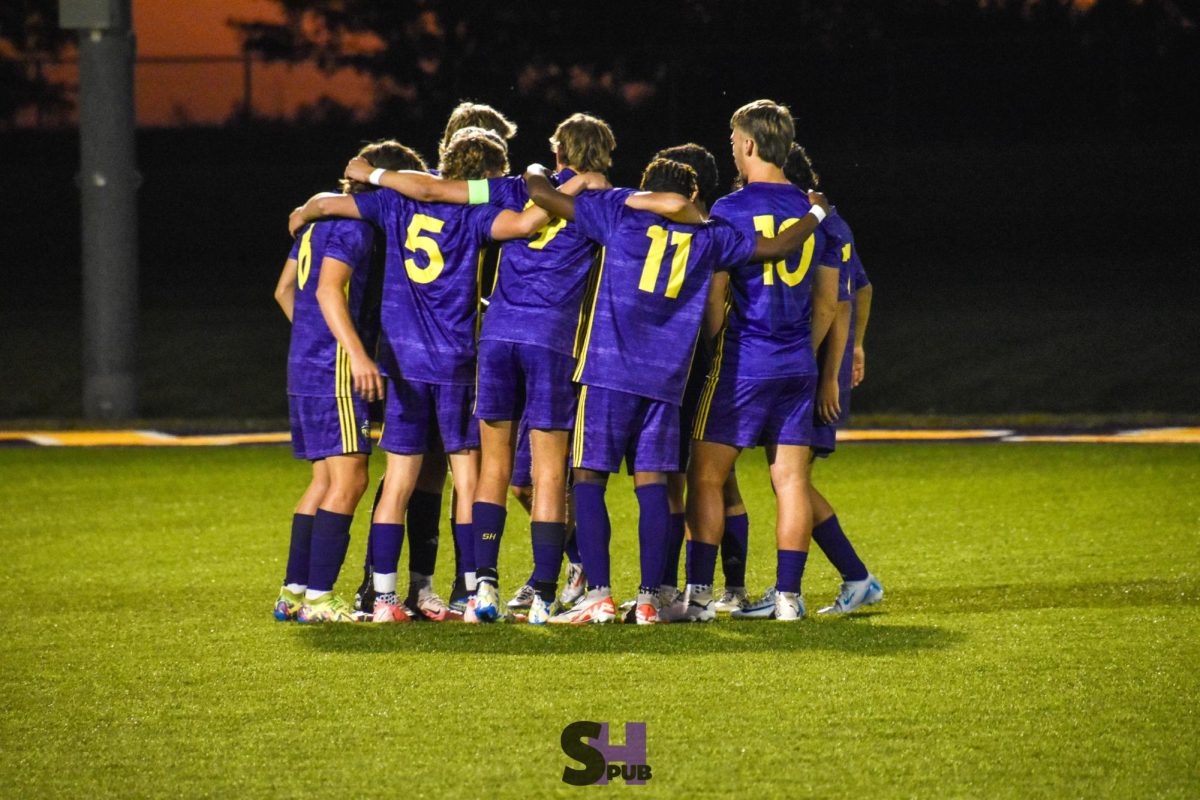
[477,115]
[584,142]
[770,125]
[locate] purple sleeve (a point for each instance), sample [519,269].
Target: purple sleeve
[733,247]
[480,219]
[834,242]
[349,242]
[377,206]
[598,212]
[508,193]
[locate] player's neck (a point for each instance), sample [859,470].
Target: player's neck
[764,172]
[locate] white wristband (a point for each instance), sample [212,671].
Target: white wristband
[818,212]
[376,176]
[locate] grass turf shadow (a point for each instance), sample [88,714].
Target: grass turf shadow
[1033,596]
[750,637]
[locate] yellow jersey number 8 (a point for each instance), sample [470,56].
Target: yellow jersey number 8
[417,241]
[765,224]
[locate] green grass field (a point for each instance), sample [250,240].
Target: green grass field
[1039,639]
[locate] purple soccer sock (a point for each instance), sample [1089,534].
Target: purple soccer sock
[654,514]
[424,513]
[386,541]
[547,553]
[701,563]
[489,528]
[675,534]
[464,540]
[330,538]
[593,532]
[367,563]
[573,548]
[734,547]
[299,550]
[837,548]
[789,569]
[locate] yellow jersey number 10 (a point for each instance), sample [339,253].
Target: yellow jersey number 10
[765,224]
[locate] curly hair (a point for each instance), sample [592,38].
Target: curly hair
[584,142]
[665,175]
[473,153]
[699,159]
[799,169]
[386,153]
[477,115]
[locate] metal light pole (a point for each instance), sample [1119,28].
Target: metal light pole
[108,182]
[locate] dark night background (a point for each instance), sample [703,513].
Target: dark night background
[1021,177]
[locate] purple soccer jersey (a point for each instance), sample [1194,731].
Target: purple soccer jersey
[652,286]
[768,331]
[540,281]
[431,285]
[317,365]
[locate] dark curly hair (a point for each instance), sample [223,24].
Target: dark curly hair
[699,159]
[799,169]
[665,175]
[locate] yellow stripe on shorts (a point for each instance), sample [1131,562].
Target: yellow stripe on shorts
[710,387]
[577,450]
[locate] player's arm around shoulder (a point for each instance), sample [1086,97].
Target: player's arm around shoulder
[419,186]
[670,205]
[552,201]
[324,204]
[793,238]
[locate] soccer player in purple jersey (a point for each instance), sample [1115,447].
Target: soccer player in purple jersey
[425,505]
[762,385]
[835,359]
[672,603]
[526,357]
[429,317]
[641,332]
[323,290]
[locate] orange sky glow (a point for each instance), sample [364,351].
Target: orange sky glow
[174,93]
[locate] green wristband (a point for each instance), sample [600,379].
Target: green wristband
[477,192]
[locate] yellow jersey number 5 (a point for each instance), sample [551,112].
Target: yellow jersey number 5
[417,241]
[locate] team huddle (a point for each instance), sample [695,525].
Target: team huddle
[666,328]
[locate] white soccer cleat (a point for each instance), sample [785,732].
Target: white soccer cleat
[700,605]
[522,599]
[672,604]
[789,607]
[487,602]
[539,611]
[592,609]
[734,599]
[575,587]
[854,595]
[426,604]
[762,608]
